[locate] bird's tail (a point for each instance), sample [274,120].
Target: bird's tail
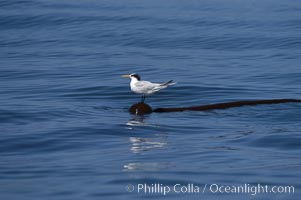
[171,82]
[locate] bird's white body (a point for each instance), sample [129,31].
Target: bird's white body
[145,87]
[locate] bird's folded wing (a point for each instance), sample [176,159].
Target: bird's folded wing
[146,86]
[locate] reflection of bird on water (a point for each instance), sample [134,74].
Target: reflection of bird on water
[145,87]
[140,144]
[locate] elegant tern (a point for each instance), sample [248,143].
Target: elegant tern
[145,87]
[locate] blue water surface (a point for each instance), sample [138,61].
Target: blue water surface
[65,129]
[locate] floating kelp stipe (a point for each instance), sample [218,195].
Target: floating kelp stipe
[143,108]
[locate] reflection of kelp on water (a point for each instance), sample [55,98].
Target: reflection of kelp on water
[142,108]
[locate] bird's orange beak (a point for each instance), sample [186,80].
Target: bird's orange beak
[125,76]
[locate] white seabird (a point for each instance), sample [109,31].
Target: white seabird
[145,87]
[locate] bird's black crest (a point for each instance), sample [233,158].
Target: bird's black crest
[136,76]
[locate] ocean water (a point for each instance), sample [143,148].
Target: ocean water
[65,128]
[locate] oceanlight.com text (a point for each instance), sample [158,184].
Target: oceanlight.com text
[249,189]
